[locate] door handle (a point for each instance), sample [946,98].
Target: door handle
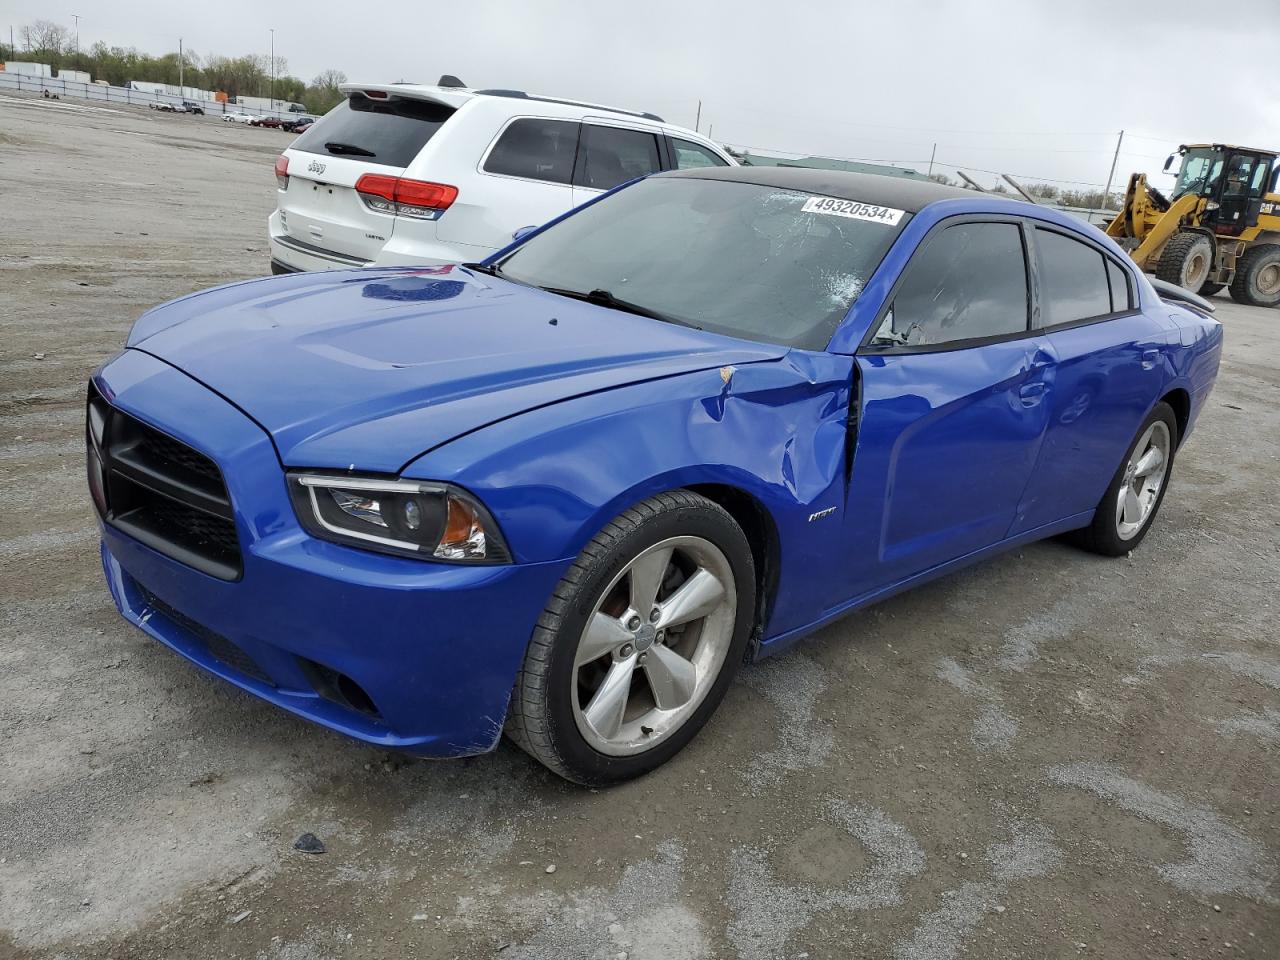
[1032,392]
[1150,358]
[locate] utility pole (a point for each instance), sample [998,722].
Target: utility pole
[1106,195]
[931,156]
[182,90]
[698,119]
[273,69]
[76,18]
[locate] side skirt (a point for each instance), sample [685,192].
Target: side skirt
[785,641]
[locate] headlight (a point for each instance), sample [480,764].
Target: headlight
[434,521]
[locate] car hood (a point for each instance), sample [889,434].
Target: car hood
[368,369]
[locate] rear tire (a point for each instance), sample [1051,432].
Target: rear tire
[1128,508]
[1186,260]
[1210,288]
[1257,279]
[609,691]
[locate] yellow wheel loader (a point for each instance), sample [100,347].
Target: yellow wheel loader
[1220,228]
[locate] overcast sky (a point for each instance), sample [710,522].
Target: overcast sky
[1036,88]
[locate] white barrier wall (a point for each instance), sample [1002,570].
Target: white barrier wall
[102,93]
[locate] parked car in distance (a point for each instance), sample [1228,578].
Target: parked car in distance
[303,127]
[571,489]
[190,106]
[293,125]
[271,123]
[164,107]
[237,118]
[411,174]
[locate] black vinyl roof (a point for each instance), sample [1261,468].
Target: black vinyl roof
[884,191]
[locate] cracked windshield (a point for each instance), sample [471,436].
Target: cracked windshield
[735,258]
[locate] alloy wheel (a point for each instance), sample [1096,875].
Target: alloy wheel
[1144,477]
[653,645]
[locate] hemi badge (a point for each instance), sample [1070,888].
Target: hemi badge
[821,513]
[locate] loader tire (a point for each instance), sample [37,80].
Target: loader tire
[1186,260]
[1257,279]
[1209,288]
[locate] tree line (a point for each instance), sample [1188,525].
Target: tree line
[1095,199]
[45,41]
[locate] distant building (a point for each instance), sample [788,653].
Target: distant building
[26,68]
[827,163]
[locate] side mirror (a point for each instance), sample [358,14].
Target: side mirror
[1169,161]
[522,233]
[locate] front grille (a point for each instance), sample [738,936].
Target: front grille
[161,491]
[218,646]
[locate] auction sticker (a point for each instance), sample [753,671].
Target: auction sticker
[853,210]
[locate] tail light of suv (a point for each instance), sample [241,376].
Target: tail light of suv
[282,171]
[400,196]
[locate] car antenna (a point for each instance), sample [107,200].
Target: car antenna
[449,80]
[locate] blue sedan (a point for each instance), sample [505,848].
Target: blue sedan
[567,492]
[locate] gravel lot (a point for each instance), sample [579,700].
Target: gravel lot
[1050,755]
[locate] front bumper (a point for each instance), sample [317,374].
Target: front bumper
[431,649]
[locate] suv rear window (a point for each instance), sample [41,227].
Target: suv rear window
[536,149]
[389,132]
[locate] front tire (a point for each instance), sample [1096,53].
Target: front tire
[1257,279]
[639,642]
[1133,498]
[1186,260]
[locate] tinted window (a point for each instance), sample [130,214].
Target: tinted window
[1073,280]
[690,155]
[610,155]
[537,149]
[1121,298]
[967,282]
[379,131]
[735,258]
[1259,180]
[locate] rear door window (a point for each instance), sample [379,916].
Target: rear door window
[608,156]
[1121,295]
[1073,280]
[390,132]
[690,155]
[535,149]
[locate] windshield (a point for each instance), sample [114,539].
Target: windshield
[1200,171]
[736,258]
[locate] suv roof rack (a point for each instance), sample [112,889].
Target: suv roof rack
[521,95]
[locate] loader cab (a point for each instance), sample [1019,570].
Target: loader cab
[1233,180]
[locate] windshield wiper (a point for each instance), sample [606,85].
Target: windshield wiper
[492,269]
[606,299]
[349,149]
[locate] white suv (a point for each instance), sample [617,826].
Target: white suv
[411,174]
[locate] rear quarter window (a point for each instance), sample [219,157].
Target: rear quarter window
[394,130]
[535,149]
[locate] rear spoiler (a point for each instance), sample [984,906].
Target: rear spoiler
[1171,291]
